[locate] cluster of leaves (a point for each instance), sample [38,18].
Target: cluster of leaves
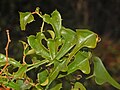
[65,52]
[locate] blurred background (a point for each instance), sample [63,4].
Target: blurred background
[100,16]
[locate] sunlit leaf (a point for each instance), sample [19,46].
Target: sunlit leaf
[29,52]
[52,34]
[85,38]
[55,21]
[25,46]
[51,47]
[10,60]
[14,62]
[70,40]
[35,43]
[81,62]
[101,74]
[37,10]
[20,71]
[25,18]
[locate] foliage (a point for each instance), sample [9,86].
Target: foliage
[65,52]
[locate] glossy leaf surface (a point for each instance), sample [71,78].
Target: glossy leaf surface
[55,21]
[25,18]
[69,41]
[35,43]
[81,62]
[51,33]
[52,48]
[101,74]
[85,38]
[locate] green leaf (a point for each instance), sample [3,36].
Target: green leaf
[13,85]
[25,46]
[14,62]
[32,51]
[52,34]
[35,43]
[57,87]
[10,60]
[37,64]
[37,10]
[43,78]
[81,62]
[79,86]
[3,79]
[20,72]
[52,48]
[70,40]
[85,38]
[23,84]
[58,66]
[25,18]
[20,82]
[55,21]
[101,74]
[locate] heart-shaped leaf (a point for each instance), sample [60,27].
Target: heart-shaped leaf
[35,43]
[55,21]
[25,18]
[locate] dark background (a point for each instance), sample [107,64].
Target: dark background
[100,16]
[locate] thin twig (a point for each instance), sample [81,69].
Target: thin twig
[37,14]
[6,49]
[24,56]
[41,17]
[42,27]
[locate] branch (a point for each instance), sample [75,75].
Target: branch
[6,49]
